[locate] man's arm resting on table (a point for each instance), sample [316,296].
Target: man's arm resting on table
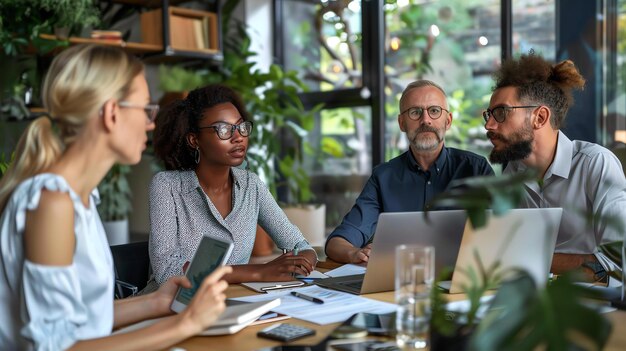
[341,250]
[583,263]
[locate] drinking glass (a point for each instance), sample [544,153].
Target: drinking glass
[415,273]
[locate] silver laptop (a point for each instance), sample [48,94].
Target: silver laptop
[520,239]
[442,229]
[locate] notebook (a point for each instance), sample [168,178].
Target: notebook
[238,316]
[441,229]
[235,317]
[521,238]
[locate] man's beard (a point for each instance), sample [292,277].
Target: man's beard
[520,145]
[425,143]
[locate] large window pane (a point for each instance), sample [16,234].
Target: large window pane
[337,181]
[455,43]
[534,27]
[615,123]
[322,41]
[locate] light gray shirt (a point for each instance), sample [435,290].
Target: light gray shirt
[181,213]
[584,179]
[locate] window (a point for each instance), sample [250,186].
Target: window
[322,41]
[453,43]
[534,27]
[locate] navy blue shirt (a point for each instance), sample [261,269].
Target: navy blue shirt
[401,185]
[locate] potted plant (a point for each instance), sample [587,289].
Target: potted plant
[115,204]
[20,38]
[521,316]
[71,16]
[176,82]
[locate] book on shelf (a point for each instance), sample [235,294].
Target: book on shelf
[108,35]
[188,29]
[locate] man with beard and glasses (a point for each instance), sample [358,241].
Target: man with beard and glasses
[409,181]
[530,101]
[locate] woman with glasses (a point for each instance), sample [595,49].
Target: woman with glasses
[202,140]
[56,285]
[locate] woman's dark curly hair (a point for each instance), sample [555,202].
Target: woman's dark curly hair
[540,82]
[182,117]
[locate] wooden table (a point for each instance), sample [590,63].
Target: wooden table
[247,340]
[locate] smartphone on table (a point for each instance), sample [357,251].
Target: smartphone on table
[211,253]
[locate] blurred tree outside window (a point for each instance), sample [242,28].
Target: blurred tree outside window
[456,44]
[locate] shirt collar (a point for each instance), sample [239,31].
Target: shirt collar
[190,182]
[438,165]
[562,158]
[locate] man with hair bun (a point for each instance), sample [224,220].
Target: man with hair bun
[529,104]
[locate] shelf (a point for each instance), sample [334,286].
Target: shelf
[132,47]
[173,56]
[146,3]
[186,29]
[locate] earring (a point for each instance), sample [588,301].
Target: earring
[196,155]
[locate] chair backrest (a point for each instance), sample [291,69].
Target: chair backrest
[132,267]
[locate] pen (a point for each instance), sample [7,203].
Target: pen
[281,286]
[307,297]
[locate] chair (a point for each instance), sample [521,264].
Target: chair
[132,268]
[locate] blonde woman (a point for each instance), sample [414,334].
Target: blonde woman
[56,280]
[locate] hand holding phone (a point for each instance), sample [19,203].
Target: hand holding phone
[211,253]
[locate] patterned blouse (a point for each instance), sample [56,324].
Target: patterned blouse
[181,213]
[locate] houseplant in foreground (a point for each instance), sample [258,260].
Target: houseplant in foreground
[521,316]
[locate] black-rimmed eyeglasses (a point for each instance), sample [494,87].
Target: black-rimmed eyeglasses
[225,130]
[415,113]
[151,109]
[499,113]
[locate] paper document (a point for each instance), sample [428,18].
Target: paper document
[314,275]
[336,307]
[347,269]
[266,287]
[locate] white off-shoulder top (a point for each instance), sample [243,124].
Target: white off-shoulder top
[51,307]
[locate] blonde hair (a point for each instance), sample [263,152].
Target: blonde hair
[80,80]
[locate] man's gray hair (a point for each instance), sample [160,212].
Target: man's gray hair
[420,84]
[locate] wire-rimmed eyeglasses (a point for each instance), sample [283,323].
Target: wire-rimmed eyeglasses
[415,113]
[225,130]
[499,113]
[151,109]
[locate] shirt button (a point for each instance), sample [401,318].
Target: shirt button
[428,182]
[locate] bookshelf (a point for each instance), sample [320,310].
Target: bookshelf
[132,47]
[186,30]
[169,34]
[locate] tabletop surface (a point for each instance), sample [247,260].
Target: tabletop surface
[246,339]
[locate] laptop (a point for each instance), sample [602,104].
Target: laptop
[441,229]
[520,239]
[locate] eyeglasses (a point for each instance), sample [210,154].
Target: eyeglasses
[415,113]
[499,113]
[225,131]
[151,109]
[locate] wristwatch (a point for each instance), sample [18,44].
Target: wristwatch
[599,274]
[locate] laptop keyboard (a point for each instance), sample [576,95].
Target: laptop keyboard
[353,284]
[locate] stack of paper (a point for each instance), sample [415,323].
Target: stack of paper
[336,307]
